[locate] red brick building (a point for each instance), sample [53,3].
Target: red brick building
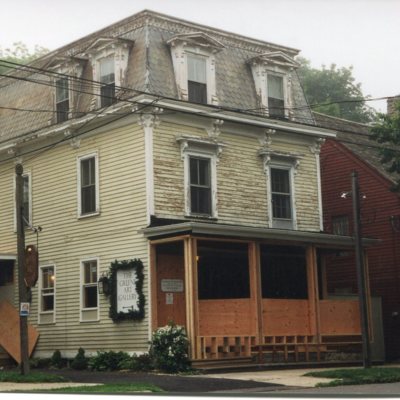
[353,150]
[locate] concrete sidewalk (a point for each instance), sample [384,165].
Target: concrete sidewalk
[287,377]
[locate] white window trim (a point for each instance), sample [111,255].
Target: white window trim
[105,48]
[29,174]
[40,312]
[81,283]
[181,46]
[278,64]
[201,148]
[97,180]
[273,222]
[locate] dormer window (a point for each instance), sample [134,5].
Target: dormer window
[272,79]
[107,78]
[193,57]
[197,81]
[109,59]
[62,99]
[67,73]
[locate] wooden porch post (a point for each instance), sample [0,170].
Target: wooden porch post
[313,296]
[153,287]
[368,293]
[255,290]
[190,259]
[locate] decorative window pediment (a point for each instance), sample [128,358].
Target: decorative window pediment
[272,79]
[280,157]
[199,145]
[193,57]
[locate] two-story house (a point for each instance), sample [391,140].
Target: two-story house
[182,147]
[353,150]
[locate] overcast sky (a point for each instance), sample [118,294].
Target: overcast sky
[361,33]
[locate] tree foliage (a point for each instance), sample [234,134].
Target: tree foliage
[386,131]
[335,92]
[19,53]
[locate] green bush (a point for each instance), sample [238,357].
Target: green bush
[169,349]
[108,360]
[80,361]
[56,360]
[142,362]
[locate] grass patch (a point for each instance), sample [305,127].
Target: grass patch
[109,388]
[32,377]
[357,376]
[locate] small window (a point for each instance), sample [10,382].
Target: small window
[197,83]
[283,272]
[88,185]
[89,286]
[200,186]
[276,101]
[340,225]
[47,289]
[281,194]
[62,99]
[107,79]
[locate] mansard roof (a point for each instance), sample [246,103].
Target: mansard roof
[27,96]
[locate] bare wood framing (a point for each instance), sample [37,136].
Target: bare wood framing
[195,299]
[188,250]
[169,239]
[153,286]
[311,289]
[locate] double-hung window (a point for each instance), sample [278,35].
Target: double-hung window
[281,197]
[47,295]
[276,98]
[200,186]
[62,99]
[107,79]
[89,296]
[340,225]
[197,79]
[47,289]
[88,185]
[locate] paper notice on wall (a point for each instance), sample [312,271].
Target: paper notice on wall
[169,298]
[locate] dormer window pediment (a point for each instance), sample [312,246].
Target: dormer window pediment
[194,39]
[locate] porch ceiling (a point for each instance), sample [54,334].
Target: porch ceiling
[246,232]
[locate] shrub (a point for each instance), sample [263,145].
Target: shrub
[80,361]
[108,360]
[40,362]
[169,348]
[56,360]
[144,362]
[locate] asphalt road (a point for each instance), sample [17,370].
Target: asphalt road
[169,383]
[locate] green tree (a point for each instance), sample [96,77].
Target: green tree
[19,53]
[333,91]
[386,131]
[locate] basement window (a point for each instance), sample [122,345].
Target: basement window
[283,272]
[223,270]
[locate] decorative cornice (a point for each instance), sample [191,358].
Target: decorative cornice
[151,119]
[266,139]
[215,130]
[315,148]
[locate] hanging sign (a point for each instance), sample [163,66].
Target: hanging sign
[127,296]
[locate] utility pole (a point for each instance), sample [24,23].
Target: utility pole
[362,294]
[22,290]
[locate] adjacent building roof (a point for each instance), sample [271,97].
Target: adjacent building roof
[27,98]
[357,138]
